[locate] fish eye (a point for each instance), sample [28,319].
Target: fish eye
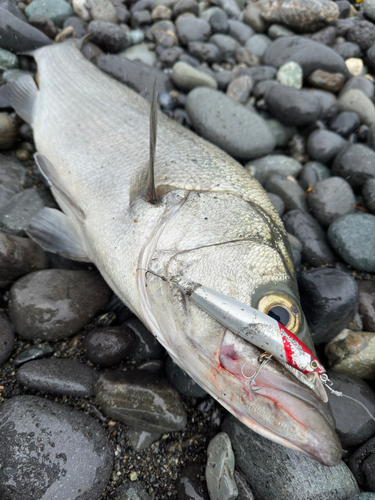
[283,309]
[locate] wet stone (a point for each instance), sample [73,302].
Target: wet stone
[345,123]
[327,81]
[313,172]
[292,106]
[362,464]
[356,101]
[7,338]
[239,89]
[140,400]
[109,345]
[56,10]
[164,34]
[308,54]
[131,491]
[80,457]
[294,476]
[353,424]
[108,36]
[330,199]
[231,126]
[239,31]
[140,440]
[291,75]
[32,353]
[323,145]
[182,381]
[353,239]
[352,353]
[315,248]
[329,299]
[53,304]
[220,469]
[187,78]
[190,485]
[58,376]
[277,202]
[366,305]
[356,164]
[146,346]
[289,191]
[262,168]
[226,44]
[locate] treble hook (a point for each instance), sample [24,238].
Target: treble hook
[263,360]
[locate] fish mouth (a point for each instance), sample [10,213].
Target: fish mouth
[288,412]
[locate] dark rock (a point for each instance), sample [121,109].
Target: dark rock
[356,164]
[344,8]
[294,476]
[292,106]
[264,167]
[330,199]
[226,44]
[192,61]
[239,31]
[347,50]
[277,202]
[123,14]
[260,73]
[51,451]
[78,24]
[329,299]
[190,486]
[131,491]
[139,440]
[7,338]
[58,376]
[315,248]
[219,22]
[169,56]
[53,304]
[258,44]
[323,145]
[359,83]
[307,53]
[140,18]
[18,36]
[357,101]
[345,123]
[19,256]
[244,490]
[362,33]
[362,464]
[44,24]
[245,57]
[108,36]
[363,133]
[142,5]
[368,193]
[327,102]
[342,25]
[183,6]
[353,424]
[228,124]
[146,346]
[326,36]
[313,172]
[207,52]
[182,381]
[278,30]
[289,191]
[34,352]
[164,34]
[91,51]
[353,239]
[137,75]
[262,87]
[139,399]
[366,307]
[223,79]
[108,346]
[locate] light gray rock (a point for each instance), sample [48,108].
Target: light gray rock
[262,168]
[355,100]
[220,469]
[187,78]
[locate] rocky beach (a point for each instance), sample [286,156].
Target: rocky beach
[91,405]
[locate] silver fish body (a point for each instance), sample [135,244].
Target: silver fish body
[213,224]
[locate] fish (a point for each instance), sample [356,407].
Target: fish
[208,220]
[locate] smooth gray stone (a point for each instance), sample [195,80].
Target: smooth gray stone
[33,352]
[308,54]
[315,247]
[7,338]
[189,484]
[51,450]
[220,469]
[283,134]
[140,400]
[258,44]
[191,29]
[359,83]
[355,100]
[139,440]
[345,123]
[330,199]
[313,172]
[260,73]
[58,376]
[183,6]
[368,193]
[262,168]
[226,44]
[323,145]
[327,101]
[239,31]
[19,36]
[347,50]
[146,346]
[353,239]
[131,491]
[289,191]
[277,202]
[182,381]
[278,30]
[354,425]
[294,476]
[228,124]
[207,52]
[56,10]
[53,303]
[356,164]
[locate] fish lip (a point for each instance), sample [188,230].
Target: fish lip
[314,434]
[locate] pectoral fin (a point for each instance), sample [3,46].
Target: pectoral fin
[20,95]
[55,232]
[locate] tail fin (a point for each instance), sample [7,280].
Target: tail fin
[20,95]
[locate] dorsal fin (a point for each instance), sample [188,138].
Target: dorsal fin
[150,194]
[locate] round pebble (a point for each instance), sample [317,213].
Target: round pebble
[187,78]
[345,123]
[220,468]
[356,101]
[323,145]
[108,346]
[264,167]
[356,164]
[291,75]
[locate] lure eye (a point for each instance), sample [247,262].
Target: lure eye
[314,364]
[283,309]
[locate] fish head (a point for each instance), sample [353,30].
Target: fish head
[235,248]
